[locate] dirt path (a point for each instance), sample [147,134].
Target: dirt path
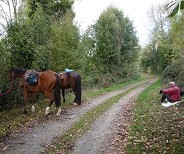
[101,137]
[36,138]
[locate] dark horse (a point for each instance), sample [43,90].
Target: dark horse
[46,82]
[71,80]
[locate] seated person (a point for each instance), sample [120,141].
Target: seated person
[172,94]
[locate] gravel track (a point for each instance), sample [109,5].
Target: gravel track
[99,138]
[38,136]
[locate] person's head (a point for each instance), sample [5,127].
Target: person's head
[172,83]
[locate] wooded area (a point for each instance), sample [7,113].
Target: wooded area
[41,35]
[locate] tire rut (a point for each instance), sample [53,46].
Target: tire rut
[99,138]
[36,138]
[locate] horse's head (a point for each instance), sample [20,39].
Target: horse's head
[64,80]
[16,73]
[64,77]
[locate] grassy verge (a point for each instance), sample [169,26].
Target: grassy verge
[12,119]
[96,92]
[155,128]
[66,142]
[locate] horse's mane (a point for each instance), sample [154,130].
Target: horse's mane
[19,70]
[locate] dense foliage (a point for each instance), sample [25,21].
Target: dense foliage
[164,55]
[42,35]
[116,47]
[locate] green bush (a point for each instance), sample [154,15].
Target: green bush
[11,99]
[174,72]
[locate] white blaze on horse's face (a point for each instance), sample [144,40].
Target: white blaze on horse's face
[47,111]
[59,111]
[32,108]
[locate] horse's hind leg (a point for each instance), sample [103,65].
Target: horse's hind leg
[57,93]
[63,94]
[51,100]
[75,99]
[47,110]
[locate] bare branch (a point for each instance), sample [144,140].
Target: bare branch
[14,3]
[9,6]
[4,15]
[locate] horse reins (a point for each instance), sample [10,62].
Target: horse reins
[7,91]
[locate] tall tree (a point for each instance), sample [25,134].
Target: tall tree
[159,45]
[177,32]
[9,12]
[25,38]
[177,40]
[64,44]
[116,42]
[55,8]
[108,43]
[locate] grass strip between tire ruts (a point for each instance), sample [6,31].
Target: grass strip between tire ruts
[66,142]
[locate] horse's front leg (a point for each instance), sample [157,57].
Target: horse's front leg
[32,102]
[25,95]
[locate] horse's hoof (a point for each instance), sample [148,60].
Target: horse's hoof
[59,112]
[47,111]
[33,109]
[75,104]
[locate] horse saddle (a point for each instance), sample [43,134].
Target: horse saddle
[67,70]
[31,77]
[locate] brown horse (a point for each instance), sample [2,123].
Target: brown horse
[72,80]
[47,81]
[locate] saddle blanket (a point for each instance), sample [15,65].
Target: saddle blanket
[31,77]
[68,70]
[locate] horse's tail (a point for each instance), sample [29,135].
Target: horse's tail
[63,94]
[79,89]
[57,90]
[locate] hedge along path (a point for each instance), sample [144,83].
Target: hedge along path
[41,135]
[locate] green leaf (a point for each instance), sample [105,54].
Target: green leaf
[174,11]
[169,5]
[181,5]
